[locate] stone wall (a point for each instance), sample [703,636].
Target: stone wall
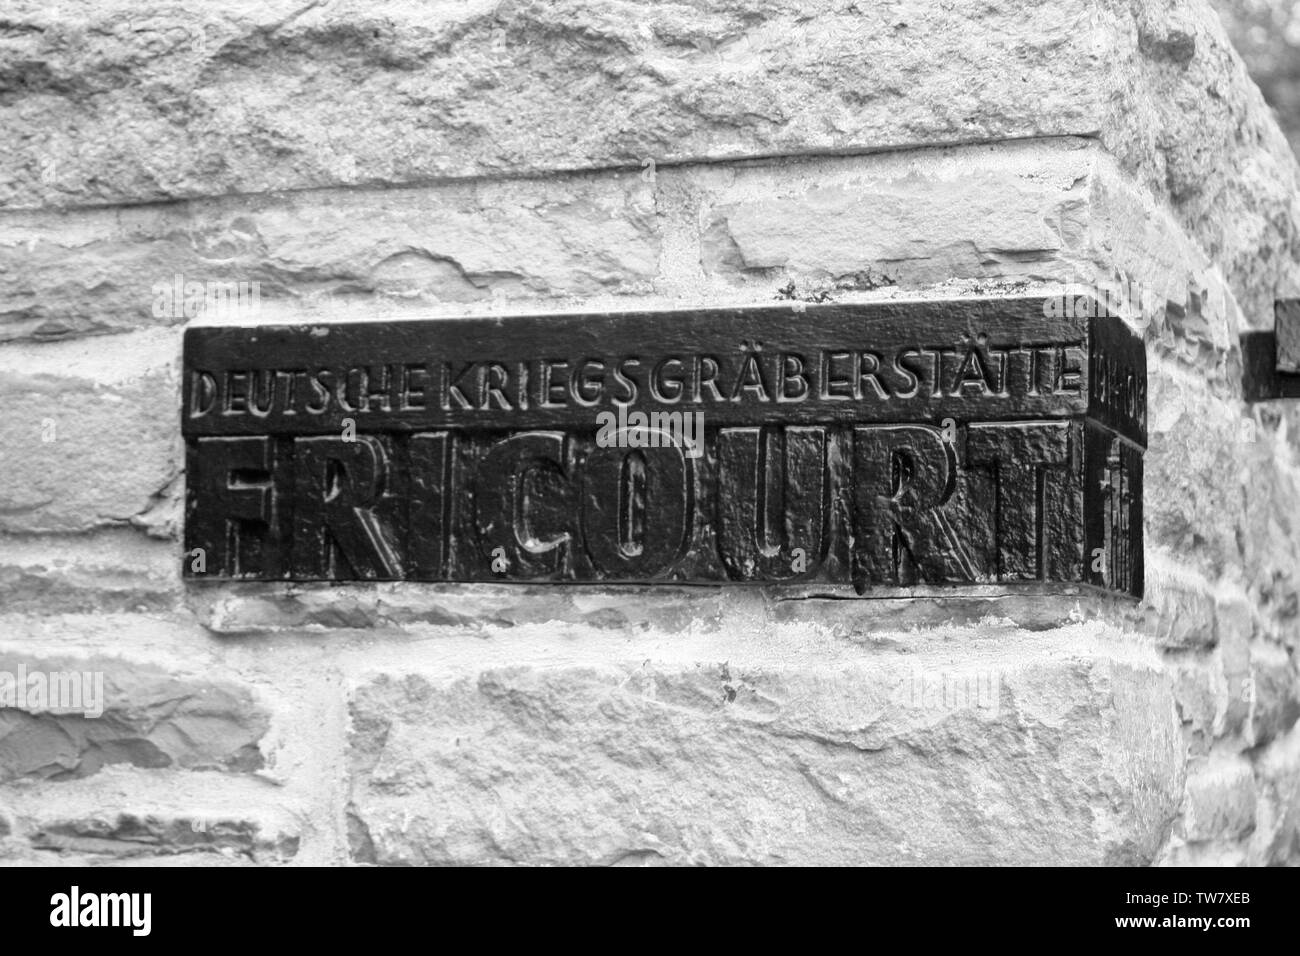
[362,161]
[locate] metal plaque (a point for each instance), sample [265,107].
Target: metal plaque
[974,441]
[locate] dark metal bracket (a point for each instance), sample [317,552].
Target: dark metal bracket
[1271,360]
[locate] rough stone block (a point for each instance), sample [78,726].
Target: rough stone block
[90,433]
[909,220]
[396,251]
[1274,692]
[252,99]
[1179,607]
[1067,760]
[127,836]
[1234,662]
[1198,468]
[1199,694]
[112,571]
[146,717]
[1220,801]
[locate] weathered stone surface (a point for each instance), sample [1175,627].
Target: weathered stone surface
[296,609]
[1220,801]
[1270,534]
[1237,626]
[1004,216]
[90,434]
[1078,761]
[885,149]
[126,815]
[261,608]
[126,836]
[1179,608]
[149,718]
[1277,816]
[1201,468]
[909,220]
[973,219]
[1188,116]
[110,102]
[1199,693]
[276,96]
[25,856]
[395,251]
[690,234]
[110,571]
[1274,692]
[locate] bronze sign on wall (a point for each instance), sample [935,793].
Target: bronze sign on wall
[974,441]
